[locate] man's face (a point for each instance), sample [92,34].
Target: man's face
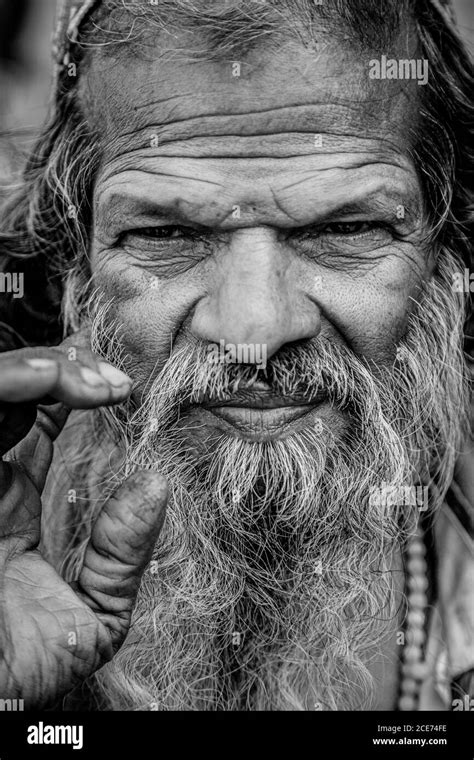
[275,206]
[277,210]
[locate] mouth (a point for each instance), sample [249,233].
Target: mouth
[256,413]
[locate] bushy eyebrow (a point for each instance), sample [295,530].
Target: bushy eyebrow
[123,208]
[380,204]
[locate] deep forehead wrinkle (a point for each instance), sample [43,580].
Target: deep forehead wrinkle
[274,133]
[187,112]
[328,116]
[334,90]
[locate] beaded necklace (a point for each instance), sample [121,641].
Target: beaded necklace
[414,669]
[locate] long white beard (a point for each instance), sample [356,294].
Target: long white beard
[271,585]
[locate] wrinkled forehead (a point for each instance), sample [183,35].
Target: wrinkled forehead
[293,90]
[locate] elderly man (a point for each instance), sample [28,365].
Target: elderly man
[254,218]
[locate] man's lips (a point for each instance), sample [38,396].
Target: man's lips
[258,403]
[260,396]
[261,415]
[259,418]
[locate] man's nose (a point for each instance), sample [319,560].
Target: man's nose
[257,297]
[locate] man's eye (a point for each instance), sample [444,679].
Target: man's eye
[350,239]
[166,232]
[348,228]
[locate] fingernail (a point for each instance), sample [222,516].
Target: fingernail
[41,363]
[113,375]
[90,377]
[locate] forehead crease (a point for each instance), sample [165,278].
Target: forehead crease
[248,115]
[283,131]
[251,115]
[135,154]
[285,94]
[369,181]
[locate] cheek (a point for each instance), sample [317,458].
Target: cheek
[149,310]
[367,309]
[370,309]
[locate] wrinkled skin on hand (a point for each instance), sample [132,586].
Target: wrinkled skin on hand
[53,635]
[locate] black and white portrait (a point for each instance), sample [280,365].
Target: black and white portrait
[236,355]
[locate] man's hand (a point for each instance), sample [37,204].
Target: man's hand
[54,635]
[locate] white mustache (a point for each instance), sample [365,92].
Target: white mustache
[306,373]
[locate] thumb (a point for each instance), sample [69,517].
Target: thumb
[120,547]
